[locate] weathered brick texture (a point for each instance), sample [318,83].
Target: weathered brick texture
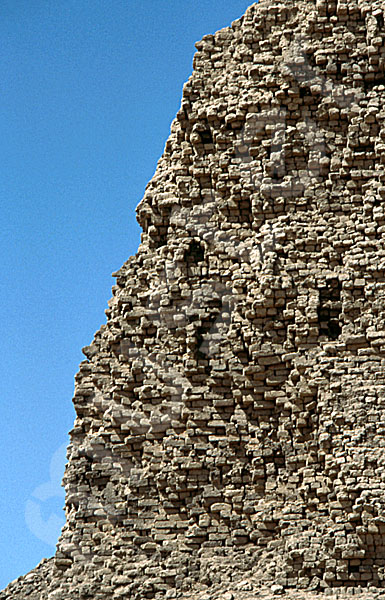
[230,429]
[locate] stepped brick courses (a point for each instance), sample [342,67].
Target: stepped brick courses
[230,430]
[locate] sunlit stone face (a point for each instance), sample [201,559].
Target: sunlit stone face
[230,412]
[242,414]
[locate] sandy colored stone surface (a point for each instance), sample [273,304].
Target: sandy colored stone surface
[230,441]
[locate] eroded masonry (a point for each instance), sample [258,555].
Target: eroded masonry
[230,427]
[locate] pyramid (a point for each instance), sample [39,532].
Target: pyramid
[230,431]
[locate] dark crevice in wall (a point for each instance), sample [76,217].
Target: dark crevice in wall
[370,84]
[329,310]
[195,253]
[206,137]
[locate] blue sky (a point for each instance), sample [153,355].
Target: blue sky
[88,91]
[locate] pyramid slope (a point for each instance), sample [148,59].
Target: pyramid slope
[229,431]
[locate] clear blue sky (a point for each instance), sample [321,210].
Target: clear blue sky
[88,91]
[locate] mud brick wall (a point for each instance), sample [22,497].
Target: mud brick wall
[230,424]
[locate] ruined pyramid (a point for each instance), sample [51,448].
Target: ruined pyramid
[230,430]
